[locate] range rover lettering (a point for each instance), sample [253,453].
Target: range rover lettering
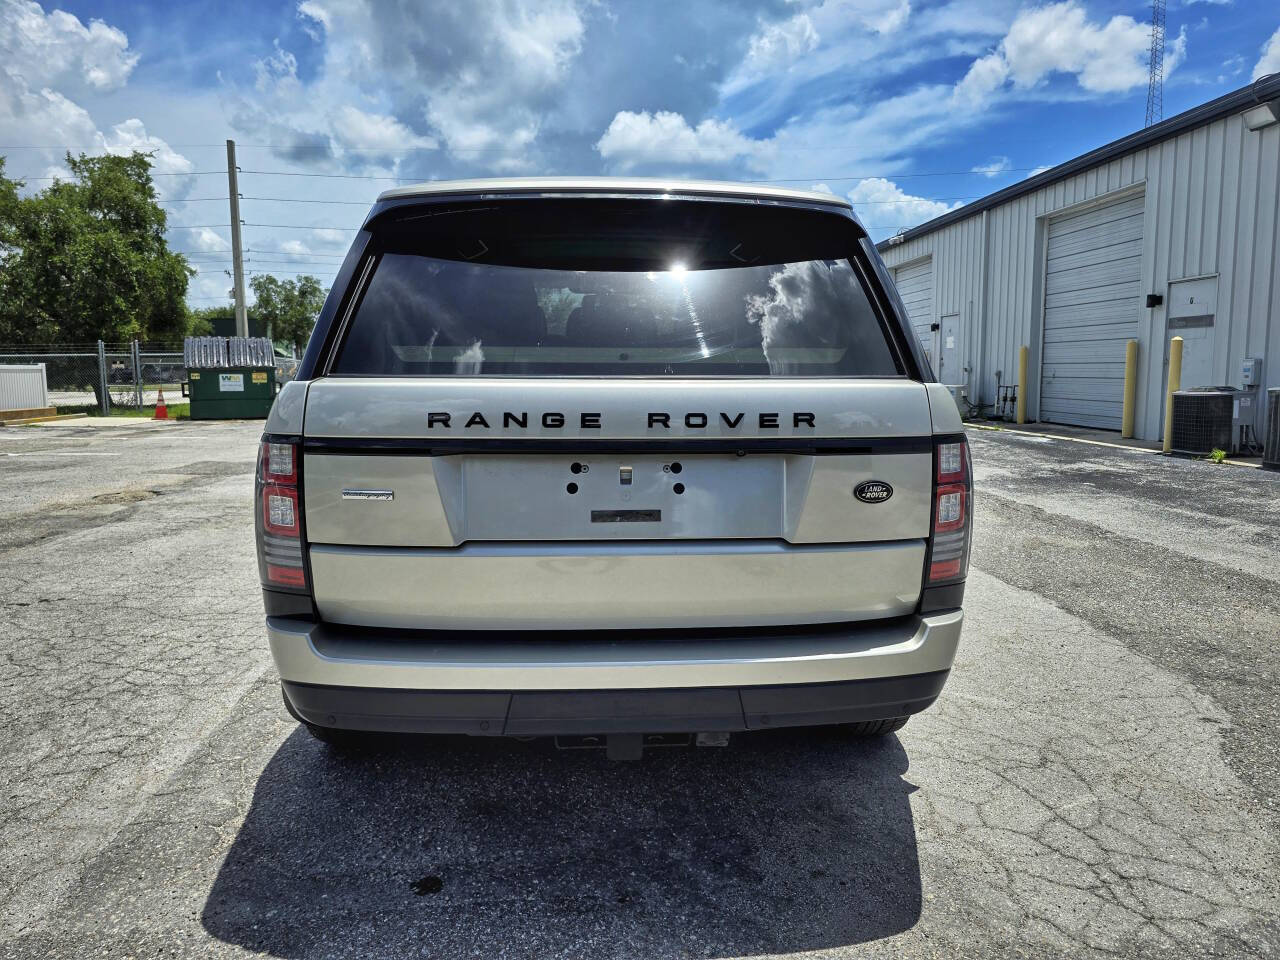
[603,459]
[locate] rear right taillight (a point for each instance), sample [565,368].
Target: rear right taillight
[952,513]
[279,516]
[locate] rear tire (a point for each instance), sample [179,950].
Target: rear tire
[866,729]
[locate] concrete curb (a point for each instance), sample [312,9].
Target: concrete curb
[1096,443]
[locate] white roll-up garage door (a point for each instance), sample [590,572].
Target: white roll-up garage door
[1091,308]
[915,286]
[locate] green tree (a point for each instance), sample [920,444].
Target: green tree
[287,308]
[86,259]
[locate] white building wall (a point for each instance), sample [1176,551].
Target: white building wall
[1212,208]
[23,387]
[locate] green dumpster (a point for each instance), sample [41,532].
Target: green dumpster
[230,393]
[229,378]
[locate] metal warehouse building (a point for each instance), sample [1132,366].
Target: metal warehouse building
[1172,231]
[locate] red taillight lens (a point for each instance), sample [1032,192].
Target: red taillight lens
[949,507]
[288,576]
[280,509]
[279,520]
[952,513]
[278,463]
[953,462]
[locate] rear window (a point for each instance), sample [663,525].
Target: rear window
[599,288]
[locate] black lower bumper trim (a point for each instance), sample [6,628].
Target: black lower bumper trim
[555,712]
[278,603]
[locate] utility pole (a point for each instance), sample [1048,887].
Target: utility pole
[1155,75]
[237,252]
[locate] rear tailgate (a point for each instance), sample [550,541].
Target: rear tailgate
[536,503]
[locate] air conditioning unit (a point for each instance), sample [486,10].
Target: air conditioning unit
[1202,420]
[1271,445]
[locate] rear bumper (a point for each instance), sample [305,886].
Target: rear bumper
[557,713]
[612,681]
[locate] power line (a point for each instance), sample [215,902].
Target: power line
[193,173]
[301,226]
[295,273]
[355,203]
[292,253]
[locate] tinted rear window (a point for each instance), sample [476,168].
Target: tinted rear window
[599,288]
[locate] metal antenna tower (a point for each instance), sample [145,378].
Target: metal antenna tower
[1155,80]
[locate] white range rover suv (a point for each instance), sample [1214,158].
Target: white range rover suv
[612,460]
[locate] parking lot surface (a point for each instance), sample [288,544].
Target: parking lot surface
[1099,778]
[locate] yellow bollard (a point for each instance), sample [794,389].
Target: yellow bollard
[1022,384]
[1175,383]
[1130,388]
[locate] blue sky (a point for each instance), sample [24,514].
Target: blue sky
[908,107]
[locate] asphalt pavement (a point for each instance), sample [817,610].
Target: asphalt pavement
[1101,776]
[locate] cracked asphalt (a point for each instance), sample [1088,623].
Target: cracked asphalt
[1100,777]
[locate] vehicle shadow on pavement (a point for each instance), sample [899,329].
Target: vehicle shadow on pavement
[783,841]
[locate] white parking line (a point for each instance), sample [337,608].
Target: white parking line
[63,453]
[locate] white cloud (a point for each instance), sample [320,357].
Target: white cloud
[882,202]
[1060,38]
[315,19]
[132,135]
[295,247]
[43,116]
[666,139]
[993,167]
[882,16]
[821,188]
[277,73]
[355,129]
[985,75]
[57,50]
[477,79]
[1269,62]
[45,61]
[334,239]
[208,241]
[780,44]
[1036,171]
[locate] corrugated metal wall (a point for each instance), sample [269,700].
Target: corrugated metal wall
[915,287]
[23,387]
[1212,207]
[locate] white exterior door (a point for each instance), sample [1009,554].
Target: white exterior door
[1193,305]
[915,286]
[1092,301]
[949,370]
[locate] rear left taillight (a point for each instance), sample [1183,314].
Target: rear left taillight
[952,513]
[279,516]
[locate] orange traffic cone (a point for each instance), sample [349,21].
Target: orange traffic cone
[162,412]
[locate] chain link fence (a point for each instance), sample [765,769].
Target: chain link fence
[95,377]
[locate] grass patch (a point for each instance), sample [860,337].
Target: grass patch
[177,411]
[1217,456]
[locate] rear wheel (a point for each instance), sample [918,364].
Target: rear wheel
[865,729]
